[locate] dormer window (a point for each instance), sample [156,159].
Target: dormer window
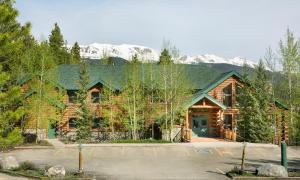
[227,95]
[72,96]
[95,97]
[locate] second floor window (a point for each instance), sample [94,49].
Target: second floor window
[72,96]
[237,91]
[95,97]
[227,93]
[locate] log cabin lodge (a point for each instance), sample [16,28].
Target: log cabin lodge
[210,114]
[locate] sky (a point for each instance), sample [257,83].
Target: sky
[227,28]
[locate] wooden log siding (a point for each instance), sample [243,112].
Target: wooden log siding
[215,113]
[70,111]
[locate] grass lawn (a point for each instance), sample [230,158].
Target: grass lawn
[234,173]
[40,143]
[140,141]
[29,170]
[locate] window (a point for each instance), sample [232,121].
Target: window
[96,123]
[95,97]
[228,121]
[227,93]
[72,123]
[72,95]
[237,91]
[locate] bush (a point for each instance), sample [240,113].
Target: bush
[14,138]
[27,165]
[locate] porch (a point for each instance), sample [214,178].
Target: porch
[208,121]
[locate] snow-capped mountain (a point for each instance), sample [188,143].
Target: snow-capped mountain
[126,51]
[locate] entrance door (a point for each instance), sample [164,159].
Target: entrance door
[51,132]
[200,126]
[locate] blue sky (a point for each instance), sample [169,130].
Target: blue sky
[227,28]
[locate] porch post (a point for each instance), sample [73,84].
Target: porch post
[187,125]
[222,124]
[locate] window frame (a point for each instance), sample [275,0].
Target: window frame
[72,96]
[97,98]
[75,125]
[98,124]
[227,95]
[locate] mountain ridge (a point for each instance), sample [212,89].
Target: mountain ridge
[126,51]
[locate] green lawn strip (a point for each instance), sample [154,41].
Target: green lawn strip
[252,174]
[39,174]
[35,174]
[137,141]
[40,143]
[141,141]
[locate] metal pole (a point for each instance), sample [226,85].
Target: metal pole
[80,159]
[284,155]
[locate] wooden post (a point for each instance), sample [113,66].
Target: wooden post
[243,157]
[80,170]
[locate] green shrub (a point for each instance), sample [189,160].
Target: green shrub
[14,138]
[27,165]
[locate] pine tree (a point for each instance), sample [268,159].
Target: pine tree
[262,93]
[254,100]
[10,112]
[75,54]
[14,37]
[135,59]
[58,48]
[165,57]
[84,114]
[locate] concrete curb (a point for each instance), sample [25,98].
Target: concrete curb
[34,147]
[125,145]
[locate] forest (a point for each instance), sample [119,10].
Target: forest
[27,60]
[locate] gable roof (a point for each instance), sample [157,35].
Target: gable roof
[281,105]
[199,96]
[203,92]
[221,79]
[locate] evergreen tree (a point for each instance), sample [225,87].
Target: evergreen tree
[254,102]
[84,114]
[14,38]
[262,92]
[58,48]
[75,53]
[135,59]
[165,57]
[250,114]
[10,112]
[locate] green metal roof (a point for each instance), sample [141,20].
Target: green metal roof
[198,76]
[222,77]
[281,105]
[199,96]
[212,84]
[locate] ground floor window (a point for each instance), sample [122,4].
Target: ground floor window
[72,123]
[96,123]
[228,121]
